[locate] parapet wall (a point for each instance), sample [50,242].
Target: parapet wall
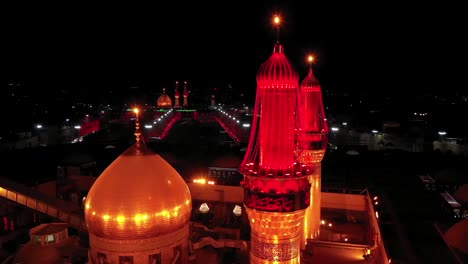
[344,201]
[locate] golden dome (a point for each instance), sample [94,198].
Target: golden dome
[164,101]
[139,195]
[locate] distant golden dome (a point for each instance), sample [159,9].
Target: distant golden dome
[164,101]
[139,195]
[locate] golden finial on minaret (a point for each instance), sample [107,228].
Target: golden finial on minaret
[137,127]
[277,22]
[310,60]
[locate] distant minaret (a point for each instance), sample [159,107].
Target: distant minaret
[313,140]
[213,102]
[185,94]
[177,95]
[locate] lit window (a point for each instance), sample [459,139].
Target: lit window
[50,238]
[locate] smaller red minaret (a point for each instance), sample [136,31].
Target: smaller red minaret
[313,141]
[186,93]
[177,95]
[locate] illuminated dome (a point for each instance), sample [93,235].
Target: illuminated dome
[138,196]
[278,69]
[164,101]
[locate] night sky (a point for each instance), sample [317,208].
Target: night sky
[377,48]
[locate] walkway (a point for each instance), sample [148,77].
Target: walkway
[65,211]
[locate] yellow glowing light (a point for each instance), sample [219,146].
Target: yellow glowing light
[310,58]
[165,213]
[136,110]
[140,217]
[120,219]
[277,20]
[87,206]
[106,217]
[94,213]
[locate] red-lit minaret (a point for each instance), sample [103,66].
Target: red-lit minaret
[313,141]
[177,95]
[186,93]
[276,188]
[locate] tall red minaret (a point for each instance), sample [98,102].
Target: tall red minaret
[276,187]
[177,95]
[313,141]
[186,93]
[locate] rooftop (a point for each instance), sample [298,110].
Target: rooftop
[48,229]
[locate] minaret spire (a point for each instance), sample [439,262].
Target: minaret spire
[271,167]
[137,127]
[277,22]
[310,60]
[177,95]
[186,93]
[313,141]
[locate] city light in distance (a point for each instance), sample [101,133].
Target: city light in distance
[203,181]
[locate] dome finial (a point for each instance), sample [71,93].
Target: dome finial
[277,22]
[310,60]
[137,127]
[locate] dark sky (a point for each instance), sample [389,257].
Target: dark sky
[381,48]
